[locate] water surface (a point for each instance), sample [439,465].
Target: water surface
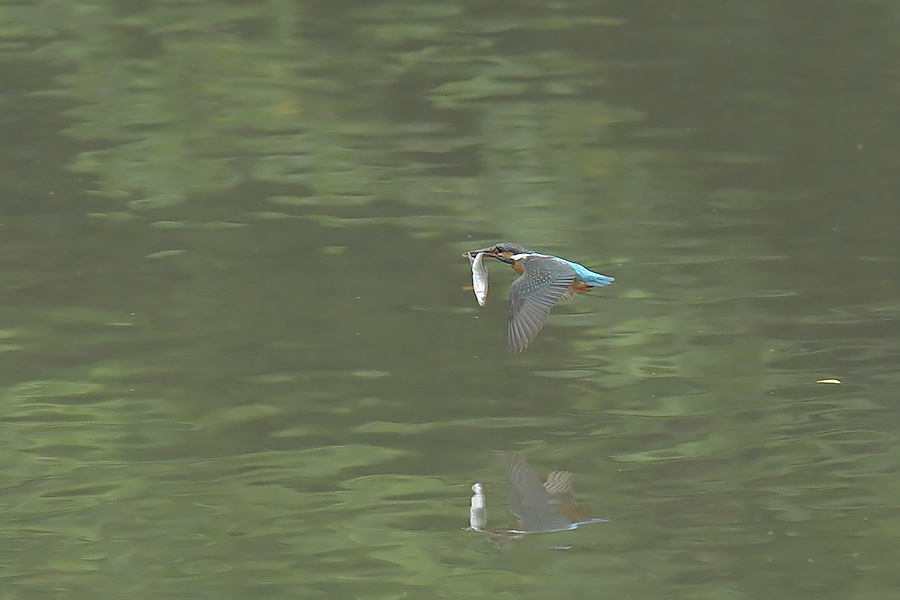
[238,359]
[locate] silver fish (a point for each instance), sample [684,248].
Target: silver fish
[479,277]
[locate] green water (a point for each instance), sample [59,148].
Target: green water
[238,361]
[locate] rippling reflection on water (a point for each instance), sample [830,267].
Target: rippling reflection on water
[246,366]
[192,453]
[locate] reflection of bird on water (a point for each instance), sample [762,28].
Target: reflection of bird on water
[538,507]
[544,281]
[548,506]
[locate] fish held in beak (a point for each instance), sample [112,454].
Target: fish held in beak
[479,277]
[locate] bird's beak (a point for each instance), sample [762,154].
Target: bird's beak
[486,251]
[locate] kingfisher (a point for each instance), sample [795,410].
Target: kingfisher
[544,280]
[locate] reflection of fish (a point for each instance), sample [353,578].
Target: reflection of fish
[479,277]
[541,507]
[478,509]
[544,281]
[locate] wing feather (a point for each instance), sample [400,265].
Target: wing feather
[543,283]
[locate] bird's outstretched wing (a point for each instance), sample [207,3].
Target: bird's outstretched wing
[543,283]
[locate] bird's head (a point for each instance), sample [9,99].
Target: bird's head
[503,251]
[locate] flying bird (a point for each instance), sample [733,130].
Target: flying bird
[544,280]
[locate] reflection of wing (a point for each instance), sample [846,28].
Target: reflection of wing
[536,508]
[559,482]
[543,283]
